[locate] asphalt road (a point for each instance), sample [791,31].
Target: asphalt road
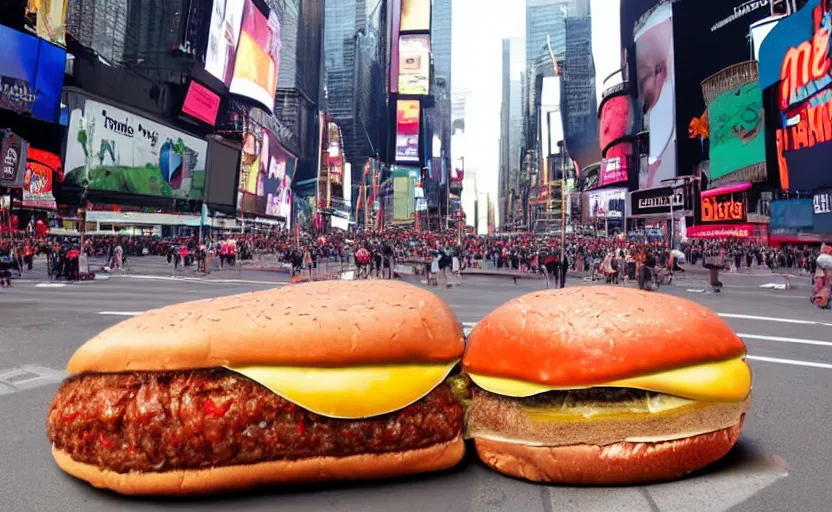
[780,463]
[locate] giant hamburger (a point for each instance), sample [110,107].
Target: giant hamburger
[323,381]
[603,385]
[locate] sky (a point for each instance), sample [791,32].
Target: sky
[479,26]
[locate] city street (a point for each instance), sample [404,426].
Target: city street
[781,462]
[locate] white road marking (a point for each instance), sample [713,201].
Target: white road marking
[22,378]
[50,285]
[202,280]
[792,362]
[773,319]
[120,313]
[785,340]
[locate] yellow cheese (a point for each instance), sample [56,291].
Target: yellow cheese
[350,393]
[725,381]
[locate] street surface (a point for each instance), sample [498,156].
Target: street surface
[781,462]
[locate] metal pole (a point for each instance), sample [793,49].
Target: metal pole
[563,206]
[672,220]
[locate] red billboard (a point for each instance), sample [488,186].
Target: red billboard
[202,104]
[616,126]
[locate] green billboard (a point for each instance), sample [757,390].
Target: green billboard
[737,134]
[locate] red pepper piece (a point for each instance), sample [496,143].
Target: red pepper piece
[86,436]
[69,418]
[106,442]
[301,428]
[213,410]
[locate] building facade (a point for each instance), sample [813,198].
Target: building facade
[578,98]
[511,130]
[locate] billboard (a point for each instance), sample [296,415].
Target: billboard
[708,37]
[610,203]
[796,55]
[407,131]
[258,56]
[616,123]
[200,103]
[222,175]
[725,204]
[658,202]
[791,214]
[131,154]
[41,168]
[415,16]
[31,75]
[49,19]
[13,151]
[223,36]
[656,91]
[414,64]
[720,232]
[822,211]
[615,168]
[251,180]
[277,169]
[736,129]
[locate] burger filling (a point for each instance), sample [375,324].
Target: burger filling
[204,418]
[596,416]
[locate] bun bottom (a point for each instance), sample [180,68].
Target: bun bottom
[614,464]
[236,478]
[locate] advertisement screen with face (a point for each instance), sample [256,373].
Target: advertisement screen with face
[616,123]
[736,129]
[132,154]
[407,131]
[223,36]
[278,170]
[608,203]
[656,90]
[258,52]
[41,169]
[414,64]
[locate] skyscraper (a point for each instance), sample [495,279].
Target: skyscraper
[440,39]
[578,99]
[546,18]
[511,126]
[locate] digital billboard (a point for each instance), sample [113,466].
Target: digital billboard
[128,153]
[407,131]
[791,214]
[414,64]
[49,18]
[258,56]
[610,203]
[822,211]
[656,91]
[31,75]
[13,151]
[736,129]
[725,204]
[796,55]
[223,36]
[708,37]
[41,169]
[415,15]
[278,169]
[251,179]
[616,124]
[222,175]
[200,103]
[658,202]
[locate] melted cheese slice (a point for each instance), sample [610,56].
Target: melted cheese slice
[725,381]
[350,393]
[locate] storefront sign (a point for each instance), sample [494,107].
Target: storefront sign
[718,232]
[724,208]
[822,202]
[655,202]
[607,203]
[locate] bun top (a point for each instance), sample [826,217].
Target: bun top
[326,324]
[588,336]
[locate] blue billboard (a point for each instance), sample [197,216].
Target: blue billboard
[792,214]
[31,75]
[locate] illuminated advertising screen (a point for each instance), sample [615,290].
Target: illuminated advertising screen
[656,91]
[796,55]
[251,179]
[610,203]
[707,38]
[258,56]
[223,36]
[277,168]
[49,18]
[791,215]
[200,103]
[128,153]
[736,129]
[407,131]
[414,64]
[616,124]
[41,169]
[615,167]
[31,75]
[415,16]
[725,204]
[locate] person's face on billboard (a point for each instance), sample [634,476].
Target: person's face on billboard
[652,62]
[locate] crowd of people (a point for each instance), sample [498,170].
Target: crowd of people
[613,258]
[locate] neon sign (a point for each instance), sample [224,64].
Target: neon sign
[804,71]
[727,208]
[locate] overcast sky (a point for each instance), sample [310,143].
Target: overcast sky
[479,27]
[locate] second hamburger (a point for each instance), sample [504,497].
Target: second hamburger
[603,385]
